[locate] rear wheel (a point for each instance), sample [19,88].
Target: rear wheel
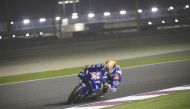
[76,95]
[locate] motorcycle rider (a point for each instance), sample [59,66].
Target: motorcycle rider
[114,76]
[111,75]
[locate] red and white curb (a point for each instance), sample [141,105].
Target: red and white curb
[142,96]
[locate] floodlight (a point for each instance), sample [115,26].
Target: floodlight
[26,21]
[13,36]
[74,15]
[57,18]
[163,21]
[71,1]
[154,9]
[12,23]
[60,2]
[170,8]
[139,10]
[123,12]
[41,33]
[41,20]
[107,14]
[66,2]
[149,23]
[27,34]
[186,6]
[91,15]
[176,20]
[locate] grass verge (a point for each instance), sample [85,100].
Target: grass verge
[63,72]
[172,101]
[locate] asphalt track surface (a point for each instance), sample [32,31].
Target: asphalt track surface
[53,93]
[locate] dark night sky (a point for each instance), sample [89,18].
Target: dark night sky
[19,9]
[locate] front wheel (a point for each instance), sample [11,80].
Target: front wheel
[76,95]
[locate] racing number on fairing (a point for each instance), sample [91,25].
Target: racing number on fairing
[95,75]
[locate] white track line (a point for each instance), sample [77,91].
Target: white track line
[95,107]
[76,74]
[142,96]
[134,98]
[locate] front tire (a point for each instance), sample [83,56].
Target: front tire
[76,95]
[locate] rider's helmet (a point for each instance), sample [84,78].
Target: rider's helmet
[109,65]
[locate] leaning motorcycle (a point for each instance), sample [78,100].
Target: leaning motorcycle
[89,87]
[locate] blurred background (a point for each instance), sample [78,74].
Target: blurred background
[68,18]
[51,34]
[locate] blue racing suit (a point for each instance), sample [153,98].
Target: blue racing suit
[113,78]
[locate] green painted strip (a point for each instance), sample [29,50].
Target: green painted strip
[173,101]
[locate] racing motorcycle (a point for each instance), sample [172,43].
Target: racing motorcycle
[90,87]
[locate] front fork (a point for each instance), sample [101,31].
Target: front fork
[85,86]
[89,89]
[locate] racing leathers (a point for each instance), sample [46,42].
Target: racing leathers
[110,79]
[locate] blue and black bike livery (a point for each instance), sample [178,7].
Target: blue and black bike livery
[89,87]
